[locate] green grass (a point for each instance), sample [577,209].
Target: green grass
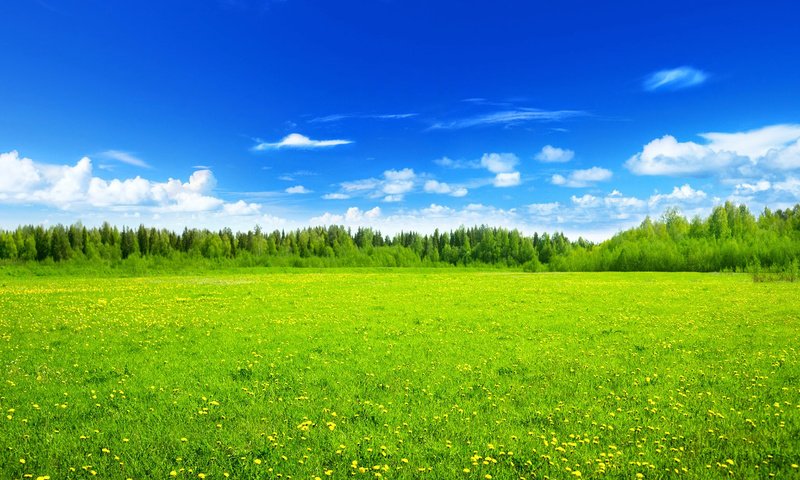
[403,374]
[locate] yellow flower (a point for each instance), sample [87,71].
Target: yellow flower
[257,461]
[173,473]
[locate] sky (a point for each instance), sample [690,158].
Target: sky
[399,115]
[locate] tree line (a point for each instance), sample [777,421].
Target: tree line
[730,238]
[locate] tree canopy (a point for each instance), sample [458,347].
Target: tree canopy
[730,238]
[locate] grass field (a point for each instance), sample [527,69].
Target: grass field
[438,374]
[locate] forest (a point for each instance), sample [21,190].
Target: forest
[731,238]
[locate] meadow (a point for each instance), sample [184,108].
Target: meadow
[400,374]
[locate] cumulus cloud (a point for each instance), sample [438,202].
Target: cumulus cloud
[585,200]
[499,162]
[582,178]
[551,154]
[393,185]
[398,182]
[791,185]
[752,188]
[674,79]
[298,141]
[432,186]
[354,216]
[684,193]
[502,165]
[241,208]
[74,186]
[510,179]
[423,219]
[771,148]
[297,190]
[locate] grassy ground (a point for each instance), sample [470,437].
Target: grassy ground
[439,374]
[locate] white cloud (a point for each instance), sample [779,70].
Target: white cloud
[396,183]
[551,154]
[378,116]
[392,187]
[791,186]
[297,190]
[450,163]
[499,162]
[361,185]
[336,196]
[752,188]
[354,216]
[684,193]
[544,209]
[63,186]
[432,186]
[131,191]
[296,140]
[241,208]
[754,144]
[674,79]
[125,157]
[666,156]
[582,178]
[425,219]
[772,148]
[510,117]
[585,201]
[19,174]
[510,179]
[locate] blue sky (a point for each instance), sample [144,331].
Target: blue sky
[395,114]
